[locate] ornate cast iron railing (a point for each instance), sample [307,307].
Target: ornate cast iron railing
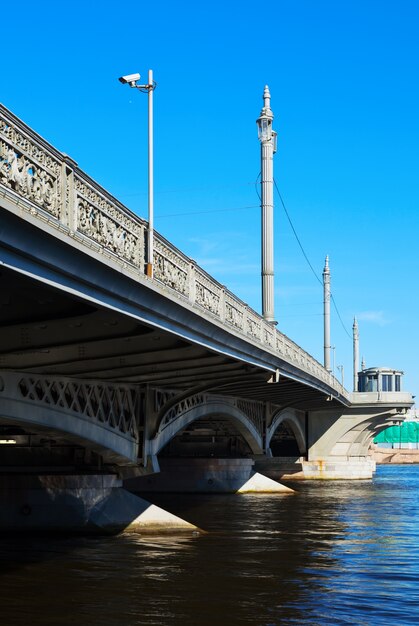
[47,184]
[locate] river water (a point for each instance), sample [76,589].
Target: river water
[333,553]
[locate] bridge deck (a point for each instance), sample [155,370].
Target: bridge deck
[89,309]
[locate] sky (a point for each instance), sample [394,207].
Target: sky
[344,83]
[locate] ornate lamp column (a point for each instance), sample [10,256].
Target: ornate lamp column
[267,138]
[326,314]
[356,352]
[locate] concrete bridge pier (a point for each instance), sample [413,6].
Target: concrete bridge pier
[329,444]
[90,503]
[330,467]
[206,475]
[340,443]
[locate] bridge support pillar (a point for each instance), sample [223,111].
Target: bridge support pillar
[339,441]
[204,475]
[78,503]
[336,443]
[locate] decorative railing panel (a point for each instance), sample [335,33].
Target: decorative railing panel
[253,325]
[207,293]
[170,268]
[234,313]
[29,169]
[45,182]
[100,220]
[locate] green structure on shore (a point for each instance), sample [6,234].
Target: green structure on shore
[399,436]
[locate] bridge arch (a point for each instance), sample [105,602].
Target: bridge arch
[246,417]
[100,416]
[292,421]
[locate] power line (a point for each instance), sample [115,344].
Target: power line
[296,236]
[306,257]
[337,311]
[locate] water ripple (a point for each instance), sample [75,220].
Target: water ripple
[333,554]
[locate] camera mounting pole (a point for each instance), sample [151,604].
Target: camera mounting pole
[131,80]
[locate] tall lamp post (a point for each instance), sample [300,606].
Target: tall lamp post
[342,370]
[356,352]
[267,138]
[131,80]
[326,316]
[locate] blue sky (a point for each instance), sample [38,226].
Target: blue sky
[343,77]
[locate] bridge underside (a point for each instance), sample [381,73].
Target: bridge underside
[78,320]
[47,331]
[53,332]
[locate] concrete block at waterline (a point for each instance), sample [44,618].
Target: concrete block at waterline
[205,476]
[194,475]
[51,502]
[262,484]
[122,510]
[280,468]
[77,503]
[339,469]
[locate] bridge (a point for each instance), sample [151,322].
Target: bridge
[109,374]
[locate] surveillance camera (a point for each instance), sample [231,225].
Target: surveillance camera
[130,78]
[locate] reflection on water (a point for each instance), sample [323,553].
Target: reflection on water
[334,553]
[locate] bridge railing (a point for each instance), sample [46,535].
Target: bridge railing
[50,186]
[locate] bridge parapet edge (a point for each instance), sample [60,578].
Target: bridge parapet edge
[53,187]
[392,398]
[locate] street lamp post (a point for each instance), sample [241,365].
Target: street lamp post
[326,315]
[342,370]
[267,138]
[355,352]
[131,80]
